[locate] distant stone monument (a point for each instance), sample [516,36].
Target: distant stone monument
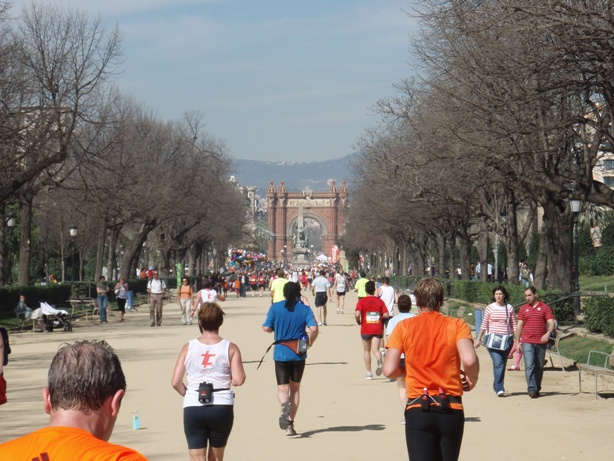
[300,247]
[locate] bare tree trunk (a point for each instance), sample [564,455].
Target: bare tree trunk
[542,261]
[25,245]
[100,252]
[465,252]
[191,261]
[512,241]
[559,238]
[483,251]
[441,260]
[3,248]
[113,236]
[134,247]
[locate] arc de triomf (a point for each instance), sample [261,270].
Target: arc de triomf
[287,210]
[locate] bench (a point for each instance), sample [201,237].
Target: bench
[554,349]
[85,306]
[21,318]
[457,312]
[606,369]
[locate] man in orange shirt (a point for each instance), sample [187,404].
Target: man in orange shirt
[435,347]
[86,387]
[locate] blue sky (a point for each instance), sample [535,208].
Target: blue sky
[278,80]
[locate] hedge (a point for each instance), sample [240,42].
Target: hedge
[59,294]
[56,294]
[476,292]
[599,316]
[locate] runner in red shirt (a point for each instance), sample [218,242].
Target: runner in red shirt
[370,314]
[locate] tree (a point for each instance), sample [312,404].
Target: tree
[63,58]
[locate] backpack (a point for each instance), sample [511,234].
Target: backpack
[7,347]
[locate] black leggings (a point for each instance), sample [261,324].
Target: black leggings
[207,423]
[434,435]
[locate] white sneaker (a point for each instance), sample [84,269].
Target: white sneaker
[368,375]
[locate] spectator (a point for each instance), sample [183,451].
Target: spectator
[535,323]
[103,298]
[155,289]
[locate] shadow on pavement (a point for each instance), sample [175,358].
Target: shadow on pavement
[370,427]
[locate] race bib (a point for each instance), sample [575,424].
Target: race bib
[373,317]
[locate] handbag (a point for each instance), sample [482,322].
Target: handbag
[498,341]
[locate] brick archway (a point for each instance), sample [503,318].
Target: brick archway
[328,208]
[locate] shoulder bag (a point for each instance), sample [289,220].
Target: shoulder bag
[498,341]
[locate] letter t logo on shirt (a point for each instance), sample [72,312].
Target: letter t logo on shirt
[206,357]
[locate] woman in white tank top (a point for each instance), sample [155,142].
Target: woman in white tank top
[217,361]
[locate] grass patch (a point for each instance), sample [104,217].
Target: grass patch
[577,347]
[597,283]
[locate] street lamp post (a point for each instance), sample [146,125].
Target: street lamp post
[73,235]
[10,224]
[576,207]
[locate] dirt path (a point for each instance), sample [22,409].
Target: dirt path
[341,416]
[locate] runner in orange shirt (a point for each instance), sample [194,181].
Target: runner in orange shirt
[83,405]
[435,348]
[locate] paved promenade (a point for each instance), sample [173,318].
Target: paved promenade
[342,416]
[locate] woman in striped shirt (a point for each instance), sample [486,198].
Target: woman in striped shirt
[498,318]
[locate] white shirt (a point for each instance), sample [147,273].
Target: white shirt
[387,295]
[209,363]
[320,284]
[207,295]
[156,287]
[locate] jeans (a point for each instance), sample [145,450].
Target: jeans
[102,307]
[534,358]
[479,316]
[499,361]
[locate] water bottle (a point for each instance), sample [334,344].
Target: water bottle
[136,420]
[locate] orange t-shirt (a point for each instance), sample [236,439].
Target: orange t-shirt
[431,357]
[65,443]
[185,292]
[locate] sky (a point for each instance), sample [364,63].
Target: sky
[277,80]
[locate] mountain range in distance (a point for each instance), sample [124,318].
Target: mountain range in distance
[296,176]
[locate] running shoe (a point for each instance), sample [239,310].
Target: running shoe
[378,370]
[290,430]
[500,394]
[368,375]
[284,420]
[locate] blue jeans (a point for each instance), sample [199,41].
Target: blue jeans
[102,307]
[499,361]
[479,316]
[534,357]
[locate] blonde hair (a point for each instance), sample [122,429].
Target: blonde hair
[429,293]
